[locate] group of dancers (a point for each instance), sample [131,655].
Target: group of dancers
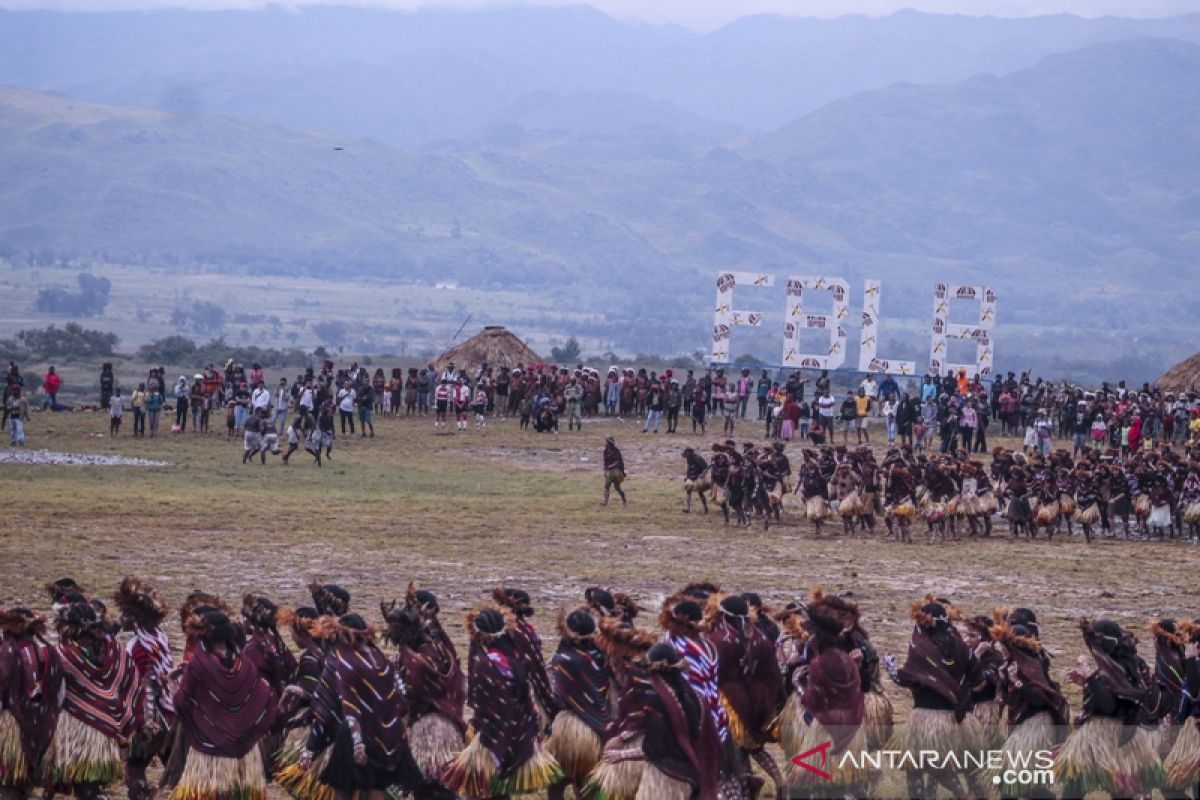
[953,493]
[624,709]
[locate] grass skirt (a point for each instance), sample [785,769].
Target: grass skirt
[435,741]
[815,508]
[878,719]
[1066,504]
[619,780]
[1033,735]
[1089,515]
[302,784]
[849,505]
[1183,763]
[1047,514]
[905,510]
[574,745]
[1093,759]
[657,785]
[988,504]
[475,775]
[14,769]
[798,736]
[81,754]
[988,716]
[934,729]
[1162,738]
[1191,514]
[208,777]
[742,736]
[1141,506]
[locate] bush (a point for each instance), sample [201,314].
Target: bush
[181,351]
[332,331]
[70,342]
[202,317]
[89,301]
[568,353]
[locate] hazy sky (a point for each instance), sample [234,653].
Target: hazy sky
[702,14]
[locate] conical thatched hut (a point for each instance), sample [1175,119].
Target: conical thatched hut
[1183,377]
[495,346]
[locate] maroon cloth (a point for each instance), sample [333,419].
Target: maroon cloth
[225,708]
[748,674]
[271,657]
[359,683]
[434,681]
[833,694]
[1038,692]
[685,746]
[529,647]
[498,692]
[948,677]
[102,688]
[581,679]
[30,682]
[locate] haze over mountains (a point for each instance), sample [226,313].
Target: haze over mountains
[579,157]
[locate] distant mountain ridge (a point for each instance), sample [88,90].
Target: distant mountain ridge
[412,78]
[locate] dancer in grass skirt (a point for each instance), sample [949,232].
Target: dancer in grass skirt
[1183,763]
[618,776]
[826,703]
[31,681]
[1164,702]
[987,707]
[528,646]
[505,755]
[581,680]
[940,672]
[434,684]
[100,704]
[679,741]
[750,683]
[358,714]
[266,649]
[225,708]
[142,613]
[1108,751]
[295,708]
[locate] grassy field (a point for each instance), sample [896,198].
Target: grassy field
[463,513]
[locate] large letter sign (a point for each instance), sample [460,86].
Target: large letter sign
[726,318]
[796,320]
[868,343]
[943,329]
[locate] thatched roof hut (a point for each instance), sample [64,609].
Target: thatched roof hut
[495,346]
[1183,377]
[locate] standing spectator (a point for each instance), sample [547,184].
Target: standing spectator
[18,415]
[891,411]
[137,402]
[346,397]
[849,417]
[182,393]
[862,410]
[279,404]
[764,387]
[870,389]
[968,422]
[196,401]
[241,406]
[718,392]
[260,397]
[1043,427]
[928,389]
[51,383]
[116,412]
[654,406]
[366,409]
[154,404]
[460,396]
[929,419]
[825,404]
[107,383]
[981,409]
[698,408]
[889,390]
[744,384]
[674,402]
[12,382]
[573,395]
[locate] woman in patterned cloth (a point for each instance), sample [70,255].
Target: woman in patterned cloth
[31,681]
[142,613]
[506,755]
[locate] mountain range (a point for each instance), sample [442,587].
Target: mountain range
[1069,184]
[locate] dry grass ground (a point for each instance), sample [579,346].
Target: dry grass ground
[464,513]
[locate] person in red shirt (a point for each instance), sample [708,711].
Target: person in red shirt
[51,383]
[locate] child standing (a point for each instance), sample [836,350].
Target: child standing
[116,412]
[137,402]
[18,415]
[525,409]
[479,406]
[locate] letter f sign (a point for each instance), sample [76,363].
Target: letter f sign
[823,750]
